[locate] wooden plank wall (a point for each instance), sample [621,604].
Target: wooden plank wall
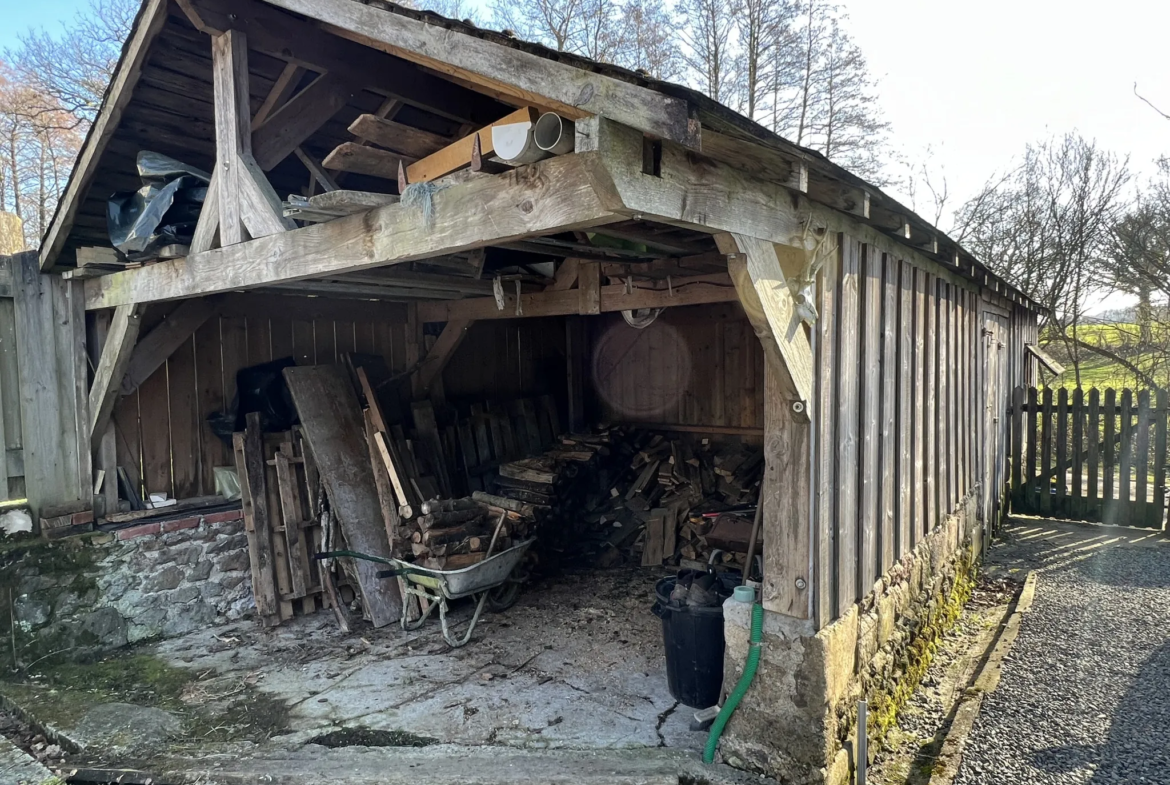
[900,386]
[49,318]
[11,433]
[510,358]
[163,438]
[699,366]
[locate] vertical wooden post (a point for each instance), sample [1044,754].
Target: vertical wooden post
[930,413]
[1161,420]
[1033,498]
[1093,504]
[245,198]
[1108,505]
[920,406]
[1018,447]
[905,412]
[1125,481]
[825,416]
[1141,464]
[848,372]
[784,492]
[1078,446]
[1062,451]
[1046,452]
[887,522]
[869,335]
[589,287]
[575,367]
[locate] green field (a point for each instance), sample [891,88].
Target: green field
[1101,372]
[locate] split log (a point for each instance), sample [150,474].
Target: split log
[503,502]
[445,536]
[456,562]
[438,520]
[447,505]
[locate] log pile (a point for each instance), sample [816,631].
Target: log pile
[450,534]
[625,493]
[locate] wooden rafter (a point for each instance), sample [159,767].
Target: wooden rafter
[295,121]
[396,137]
[509,73]
[303,43]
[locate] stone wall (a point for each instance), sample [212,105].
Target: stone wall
[797,721]
[97,592]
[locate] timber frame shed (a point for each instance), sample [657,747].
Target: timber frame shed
[870,354]
[261,92]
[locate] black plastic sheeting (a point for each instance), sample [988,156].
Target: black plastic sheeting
[164,211]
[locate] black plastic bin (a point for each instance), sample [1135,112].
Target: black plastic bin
[693,638]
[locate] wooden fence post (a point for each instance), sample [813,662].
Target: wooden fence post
[1093,505]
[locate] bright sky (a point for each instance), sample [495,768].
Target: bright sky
[20,15]
[976,81]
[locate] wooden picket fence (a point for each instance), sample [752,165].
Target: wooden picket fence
[1088,455]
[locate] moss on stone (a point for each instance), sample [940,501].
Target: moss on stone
[890,692]
[59,694]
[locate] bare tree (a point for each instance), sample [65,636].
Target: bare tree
[651,43]
[1046,226]
[709,46]
[847,129]
[69,71]
[764,27]
[549,22]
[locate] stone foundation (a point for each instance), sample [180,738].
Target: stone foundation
[98,592]
[797,721]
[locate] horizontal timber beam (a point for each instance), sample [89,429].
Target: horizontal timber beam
[691,192]
[557,195]
[506,72]
[566,302]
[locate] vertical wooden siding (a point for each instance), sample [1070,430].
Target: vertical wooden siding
[901,386]
[697,365]
[163,438]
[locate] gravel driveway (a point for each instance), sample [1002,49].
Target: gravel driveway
[1085,692]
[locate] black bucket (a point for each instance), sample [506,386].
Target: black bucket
[693,637]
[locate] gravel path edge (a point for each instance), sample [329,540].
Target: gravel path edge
[984,681]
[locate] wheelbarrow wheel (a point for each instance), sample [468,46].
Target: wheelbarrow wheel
[503,596]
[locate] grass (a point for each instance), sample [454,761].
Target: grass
[1102,372]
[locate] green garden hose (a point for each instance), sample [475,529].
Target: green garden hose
[741,687]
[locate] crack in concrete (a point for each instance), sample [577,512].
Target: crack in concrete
[662,718]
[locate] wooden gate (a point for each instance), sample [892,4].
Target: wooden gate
[1090,455]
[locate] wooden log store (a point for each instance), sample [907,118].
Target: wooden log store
[511,260]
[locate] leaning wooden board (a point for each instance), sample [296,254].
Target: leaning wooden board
[332,423]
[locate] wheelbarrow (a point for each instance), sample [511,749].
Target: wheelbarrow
[490,579]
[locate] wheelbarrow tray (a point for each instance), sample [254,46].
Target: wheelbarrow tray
[455,584]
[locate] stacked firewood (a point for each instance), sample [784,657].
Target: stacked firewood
[450,534]
[624,493]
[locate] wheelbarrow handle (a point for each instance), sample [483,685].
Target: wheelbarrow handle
[401,572]
[353,555]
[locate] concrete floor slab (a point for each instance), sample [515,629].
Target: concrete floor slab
[576,663]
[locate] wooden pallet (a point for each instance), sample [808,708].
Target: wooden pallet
[278,483]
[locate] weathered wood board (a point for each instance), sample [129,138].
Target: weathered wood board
[332,421]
